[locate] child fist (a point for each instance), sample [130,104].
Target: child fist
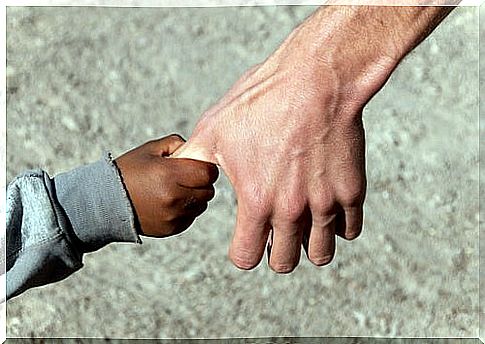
[167,194]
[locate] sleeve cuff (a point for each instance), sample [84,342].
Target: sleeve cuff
[97,204]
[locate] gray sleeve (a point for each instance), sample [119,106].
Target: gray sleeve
[51,223]
[97,205]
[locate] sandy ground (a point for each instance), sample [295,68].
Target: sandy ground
[482,172]
[267,340]
[81,80]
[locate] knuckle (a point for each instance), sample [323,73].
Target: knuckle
[175,137]
[212,173]
[170,202]
[209,173]
[172,219]
[257,207]
[170,227]
[290,213]
[351,196]
[254,208]
[256,214]
[294,215]
[252,192]
[323,207]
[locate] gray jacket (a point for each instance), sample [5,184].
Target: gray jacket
[52,222]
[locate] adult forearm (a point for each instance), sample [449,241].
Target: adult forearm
[389,31]
[357,46]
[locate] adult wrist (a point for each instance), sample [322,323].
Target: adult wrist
[354,49]
[328,49]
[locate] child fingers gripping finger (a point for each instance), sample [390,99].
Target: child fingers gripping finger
[167,194]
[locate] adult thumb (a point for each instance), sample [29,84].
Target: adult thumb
[200,146]
[194,151]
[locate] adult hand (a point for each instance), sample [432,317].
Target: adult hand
[289,133]
[167,194]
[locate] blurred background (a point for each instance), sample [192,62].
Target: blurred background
[482,172]
[81,80]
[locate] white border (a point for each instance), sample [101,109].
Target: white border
[227,3]
[143,3]
[3,176]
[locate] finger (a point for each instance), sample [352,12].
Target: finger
[195,209]
[204,194]
[181,224]
[349,223]
[190,195]
[249,240]
[166,145]
[194,150]
[320,246]
[201,144]
[194,174]
[286,246]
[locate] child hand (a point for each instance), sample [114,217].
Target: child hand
[167,194]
